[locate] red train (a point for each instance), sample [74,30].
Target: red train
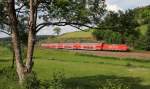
[87,46]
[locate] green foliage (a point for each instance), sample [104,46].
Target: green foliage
[57,30]
[112,37]
[140,43]
[9,80]
[143,43]
[115,84]
[57,81]
[142,14]
[122,22]
[122,26]
[107,36]
[3,16]
[148,39]
[75,11]
[31,81]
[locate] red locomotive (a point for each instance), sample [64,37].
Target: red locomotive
[87,46]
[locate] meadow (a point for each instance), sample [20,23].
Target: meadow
[82,71]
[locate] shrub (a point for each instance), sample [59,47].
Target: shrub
[109,36]
[143,43]
[31,82]
[140,44]
[115,84]
[58,81]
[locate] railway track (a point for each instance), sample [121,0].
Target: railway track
[134,55]
[100,49]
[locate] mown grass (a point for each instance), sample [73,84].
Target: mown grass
[87,71]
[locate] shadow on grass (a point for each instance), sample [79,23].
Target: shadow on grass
[104,82]
[5,60]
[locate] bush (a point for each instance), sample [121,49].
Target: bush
[140,44]
[143,43]
[58,81]
[114,37]
[9,80]
[115,84]
[31,82]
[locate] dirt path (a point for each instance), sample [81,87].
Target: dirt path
[137,55]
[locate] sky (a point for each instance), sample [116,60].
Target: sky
[112,5]
[116,5]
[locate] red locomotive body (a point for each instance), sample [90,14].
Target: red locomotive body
[87,46]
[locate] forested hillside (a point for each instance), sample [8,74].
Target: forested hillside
[130,27]
[143,17]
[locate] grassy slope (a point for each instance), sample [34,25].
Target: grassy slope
[142,14]
[79,34]
[78,65]
[83,67]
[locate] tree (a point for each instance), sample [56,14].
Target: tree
[148,39]
[57,30]
[121,22]
[5,27]
[52,12]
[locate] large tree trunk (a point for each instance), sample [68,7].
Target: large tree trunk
[15,39]
[31,34]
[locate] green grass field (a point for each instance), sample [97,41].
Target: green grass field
[78,34]
[85,71]
[71,37]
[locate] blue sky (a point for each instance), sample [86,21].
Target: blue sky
[114,5]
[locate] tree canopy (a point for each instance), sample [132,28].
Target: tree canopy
[57,30]
[19,19]
[122,23]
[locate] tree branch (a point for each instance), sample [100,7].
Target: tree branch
[42,25]
[77,27]
[19,10]
[5,32]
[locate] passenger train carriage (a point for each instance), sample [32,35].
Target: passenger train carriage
[87,46]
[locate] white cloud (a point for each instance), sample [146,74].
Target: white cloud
[113,7]
[128,4]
